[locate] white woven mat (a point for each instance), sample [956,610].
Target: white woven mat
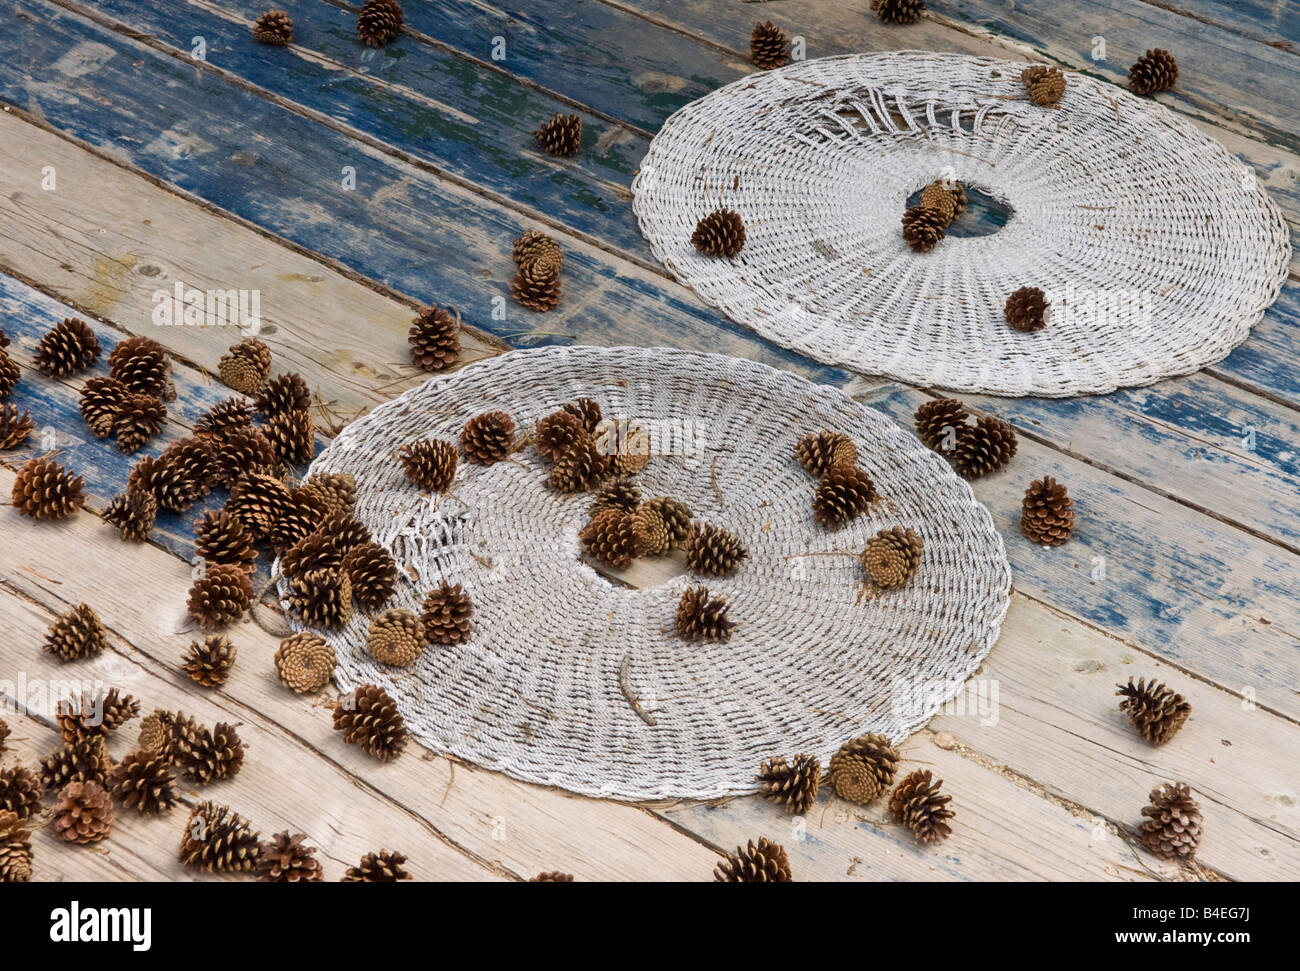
[1157,246]
[536,691]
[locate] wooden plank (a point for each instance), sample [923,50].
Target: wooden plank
[1262,20]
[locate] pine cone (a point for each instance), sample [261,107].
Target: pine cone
[552,876]
[794,784]
[181,476]
[304,663]
[537,283]
[581,468]
[258,500]
[1155,71]
[319,551]
[139,418]
[143,781]
[533,244]
[720,233]
[488,437]
[15,426]
[240,452]
[84,813]
[676,517]
[133,513]
[1044,85]
[613,538]
[83,761]
[892,556]
[656,540]
[20,792]
[219,840]
[898,11]
[221,537]
[844,493]
[435,339]
[220,596]
[1172,828]
[713,551]
[369,718]
[275,27]
[1026,309]
[245,366]
[15,851]
[396,637]
[372,573]
[381,867]
[78,633]
[863,768]
[430,463]
[43,489]
[205,756]
[923,228]
[99,402]
[765,863]
[768,47]
[448,613]
[302,517]
[338,490]
[322,598]
[703,618]
[69,347]
[1047,512]
[86,717]
[282,395]
[942,200]
[292,435]
[917,804]
[209,663]
[620,494]
[4,728]
[1155,710]
[224,417]
[286,858]
[984,447]
[817,453]
[379,22]
[557,433]
[586,411]
[143,366]
[10,373]
[154,731]
[560,135]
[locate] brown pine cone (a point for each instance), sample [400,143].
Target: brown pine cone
[552,876]
[720,233]
[88,716]
[318,551]
[282,395]
[557,433]
[941,199]
[863,768]
[83,814]
[304,663]
[435,339]
[224,417]
[396,637]
[703,618]
[205,756]
[245,366]
[372,573]
[143,781]
[381,867]
[344,532]
[322,598]
[430,463]
[143,366]
[1155,710]
[916,803]
[43,489]
[1044,85]
[83,761]
[1154,71]
[984,447]
[10,373]
[676,517]
[892,556]
[221,537]
[20,791]
[220,596]
[537,283]
[621,494]
[78,633]
[179,477]
[15,850]
[1026,309]
[612,537]
[585,410]
[581,468]
[258,500]
[898,11]
[209,663]
[533,244]
[923,228]
[1172,829]
[302,517]
[560,135]
[154,730]
[713,551]
[275,27]
[133,513]
[239,452]
[765,863]
[4,727]
[292,435]
[338,490]
[99,402]
[219,840]
[488,437]
[15,426]
[768,47]
[379,22]
[1047,512]
[138,420]
[369,718]
[286,858]
[69,347]
[653,533]
[792,784]
[844,493]
[448,613]
[817,453]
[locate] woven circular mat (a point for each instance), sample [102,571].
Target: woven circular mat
[538,691]
[1156,246]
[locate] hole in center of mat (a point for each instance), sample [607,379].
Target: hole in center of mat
[645,572]
[984,214]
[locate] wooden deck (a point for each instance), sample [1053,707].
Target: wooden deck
[227,172]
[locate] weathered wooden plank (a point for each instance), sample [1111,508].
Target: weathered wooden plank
[1261,20]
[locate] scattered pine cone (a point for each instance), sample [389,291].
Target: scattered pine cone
[984,447]
[322,598]
[258,500]
[1155,710]
[15,426]
[720,233]
[1047,512]
[560,135]
[557,433]
[863,768]
[1172,828]
[892,556]
[917,804]
[620,494]
[430,463]
[488,437]
[653,532]
[43,489]
[292,435]
[99,402]
[435,339]
[923,228]
[676,516]
[304,663]
[4,727]
[245,366]
[209,663]
[240,452]
[448,613]
[768,47]
[221,537]
[206,756]
[1044,85]
[613,537]
[713,551]
[83,814]
[224,417]
[319,551]
[372,573]
[794,784]
[85,717]
[586,411]
[154,731]
[537,283]
[15,850]
[143,781]
[379,22]
[286,858]
[219,840]
[220,596]
[552,876]
[133,513]
[369,718]
[898,11]
[1154,71]
[143,366]
[937,196]
[283,394]
[381,867]
[1026,309]
[338,490]
[82,761]
[10,373]
[302,517]
[396,637]
[844,493]
[937,415]
[703,618]
[533,244]
[765,863]
[70,346]
[818,453]
[275,27]
[77,634]
[20,792]
[581,468]
[182,475]
[139,419]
